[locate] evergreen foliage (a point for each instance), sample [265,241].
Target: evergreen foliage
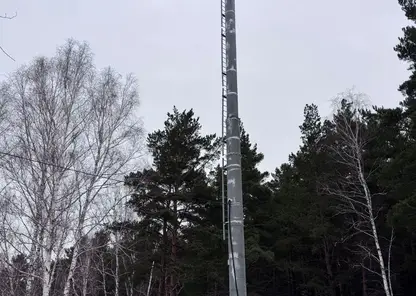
[308,224]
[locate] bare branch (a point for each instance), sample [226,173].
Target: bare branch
[8,55]
[351,187]
[389,260]
[74,131]
[5,16]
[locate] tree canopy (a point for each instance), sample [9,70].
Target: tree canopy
[337,219]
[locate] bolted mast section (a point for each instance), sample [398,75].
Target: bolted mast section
[223,115]
[232,151]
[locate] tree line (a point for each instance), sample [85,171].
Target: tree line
[80,215]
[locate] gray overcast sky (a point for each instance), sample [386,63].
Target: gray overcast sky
[290,53]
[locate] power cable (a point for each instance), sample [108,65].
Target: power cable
[231,246]
[91,174]
[57,166]
[96,175]
[119,181]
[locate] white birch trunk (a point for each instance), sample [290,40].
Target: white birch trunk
[386,281]
[117,273]
[349,149]
[73,132]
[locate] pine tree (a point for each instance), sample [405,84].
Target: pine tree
[169,196]
[256,198]
[405,51]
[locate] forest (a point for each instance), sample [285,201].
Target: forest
[81,215]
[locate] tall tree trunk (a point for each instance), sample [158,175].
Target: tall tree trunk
[78,236]
[104,274]
[364,280]
[163,279]
[117,275]
[87,274]
[173,282]
[329,267]
[374,232]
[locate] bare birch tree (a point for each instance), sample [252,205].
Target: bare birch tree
[74,131]
[122,247]
[110,260]
[351,185]
[47,119]
[110,142]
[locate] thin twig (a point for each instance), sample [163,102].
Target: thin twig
[5,16]
[8,55]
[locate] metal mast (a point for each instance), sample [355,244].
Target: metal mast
[223,113]
[231,128]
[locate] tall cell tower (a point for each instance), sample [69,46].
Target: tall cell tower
[233,205]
